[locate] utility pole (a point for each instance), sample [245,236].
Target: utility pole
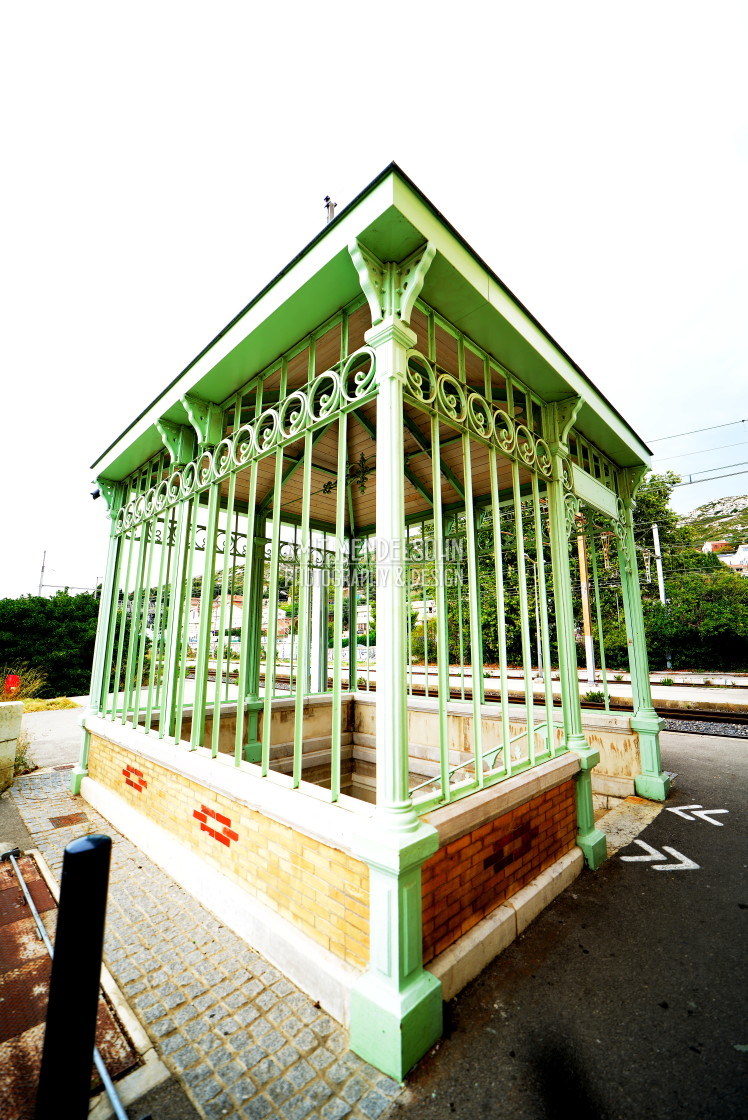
[660,580]
[589,644]
[41,574]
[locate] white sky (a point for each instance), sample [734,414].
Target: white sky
[163,161]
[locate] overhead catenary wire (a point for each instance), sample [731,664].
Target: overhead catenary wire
[695,431]
[703,451]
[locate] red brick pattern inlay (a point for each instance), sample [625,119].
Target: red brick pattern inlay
[467,879]
[135,778]
[225,835]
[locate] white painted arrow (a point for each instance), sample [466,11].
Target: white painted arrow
[682,811]
[684,863]
[705,814]
[653,854]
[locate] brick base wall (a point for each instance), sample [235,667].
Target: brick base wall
[469,877]
[323,891]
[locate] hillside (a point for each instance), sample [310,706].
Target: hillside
[721,520]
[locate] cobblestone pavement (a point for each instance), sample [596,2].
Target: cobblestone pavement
[242,1039]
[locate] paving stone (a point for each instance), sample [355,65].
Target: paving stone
[184,1014]
[195,1029]
[279,1090]
[172,1043]
[335,1110]
[162,1027]
[264,1071]
[297,1108]
[229,1071]
[244,1088]
[306,1041]
[319,1091]
[207,1089]
[388,1086]
[185,1057]
[174,1000]
[246,1015]
[373,1105]
[354,1090]
[286,1056]
[321,1058]
[257,1109]
[300,1074]
[222,1105]
[194,1076]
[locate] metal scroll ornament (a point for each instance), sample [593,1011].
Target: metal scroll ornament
[349,381]
[462,407]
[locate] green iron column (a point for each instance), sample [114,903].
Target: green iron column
[252,618]
[396,1007]
[113,494]
[561,516]
[652,782]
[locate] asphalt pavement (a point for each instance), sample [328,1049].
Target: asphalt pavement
[626,997]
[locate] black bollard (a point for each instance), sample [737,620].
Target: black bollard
[67,1059]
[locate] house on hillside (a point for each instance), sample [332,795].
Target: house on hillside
[386,416]
[714,546]
[737,560]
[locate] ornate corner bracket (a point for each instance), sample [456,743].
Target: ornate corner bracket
[112,492]
[629,481]
[391,289]
[179,441]
[561,415]
[206,418]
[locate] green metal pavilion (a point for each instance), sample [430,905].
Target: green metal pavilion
[380,469]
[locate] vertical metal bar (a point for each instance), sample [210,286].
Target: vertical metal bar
[137,598]
[176,590]
[294,610]
[460,626]
[197,731]
[340,559]
[111,627]
[599,617]
[543,614]
[524,613]
[220,683]
[247,607]
[423,600]
[442,636]
[145,611]
[474,618]
[160,613]
[180,665]
[227,545]
[409,566]
[500,608]
[270,664]
[302,682]
[122,625]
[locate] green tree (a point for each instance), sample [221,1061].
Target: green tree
[53,635]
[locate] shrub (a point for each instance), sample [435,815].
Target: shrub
[23,763]
[594,697]
[667,680]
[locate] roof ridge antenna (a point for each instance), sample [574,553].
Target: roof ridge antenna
[330,206]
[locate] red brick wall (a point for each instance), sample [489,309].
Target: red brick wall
[470,877]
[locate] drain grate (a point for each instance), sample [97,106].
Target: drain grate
[65,822]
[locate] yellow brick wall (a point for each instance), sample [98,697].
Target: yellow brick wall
[323,891]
